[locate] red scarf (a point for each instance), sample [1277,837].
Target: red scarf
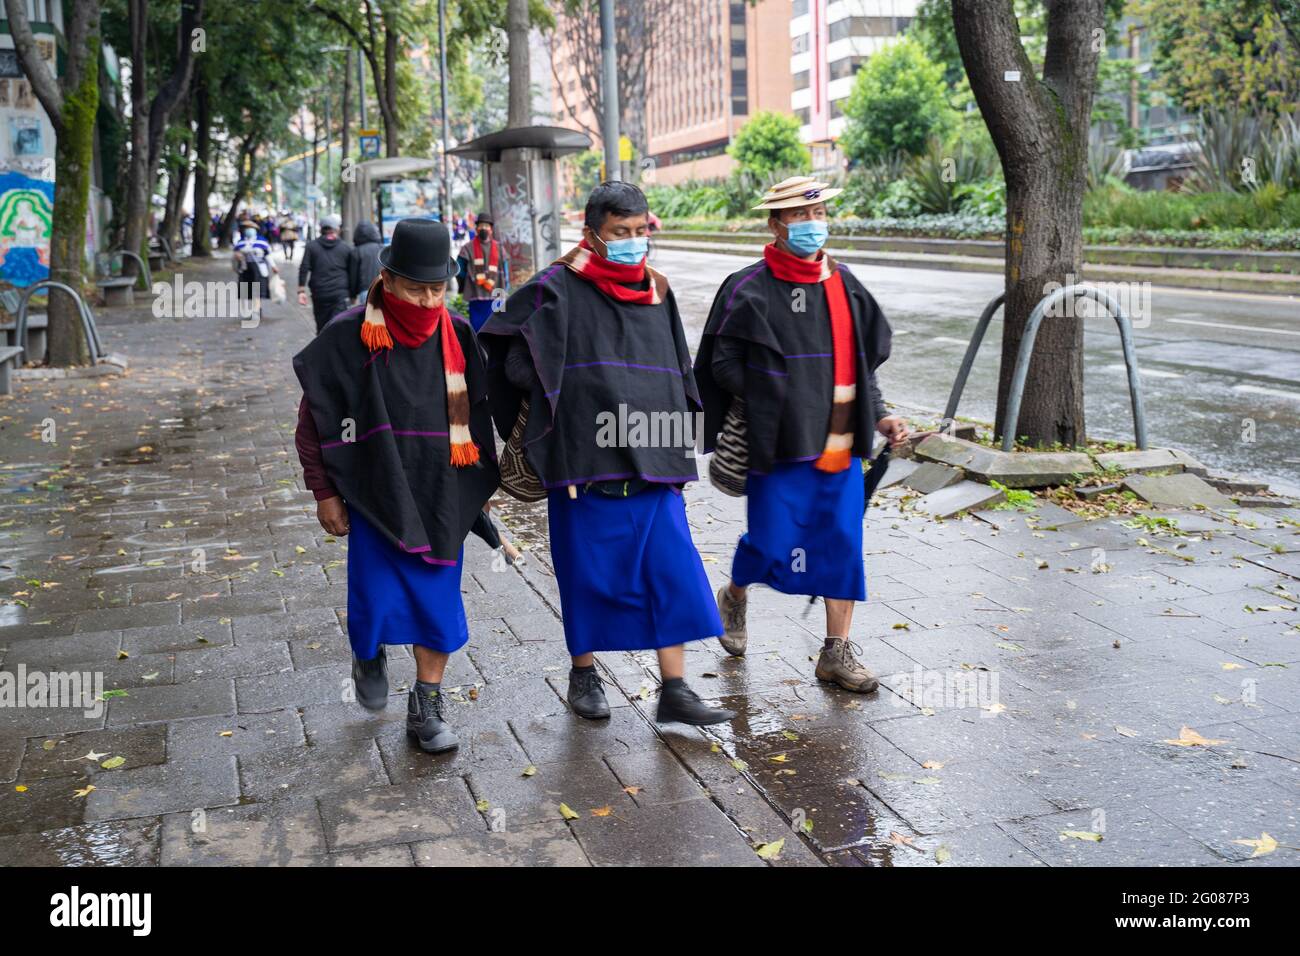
[609,277]
[838,450]
[389,318]
[488,279]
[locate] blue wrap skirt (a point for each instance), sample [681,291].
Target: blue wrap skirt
[804,532]
[628,572]
[398,598]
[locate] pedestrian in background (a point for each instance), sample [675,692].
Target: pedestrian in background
[483,270]
[288,236]
[252,260]
[329,269]
[367,242]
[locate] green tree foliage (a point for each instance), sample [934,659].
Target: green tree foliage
[899,102]
[932,29]
[1214,54]
[770,142]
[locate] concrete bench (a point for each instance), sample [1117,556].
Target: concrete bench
[155,261]
[37,325]
[8,359]
[118,290]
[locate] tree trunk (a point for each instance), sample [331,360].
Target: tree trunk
[71,102]
[74,161]
[137,183]
[202,245]
[520,109]
[1044,247]
[1040,128]
[388,90]
[242,180]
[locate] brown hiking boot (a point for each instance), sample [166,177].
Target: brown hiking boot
[733,622]
[838,665]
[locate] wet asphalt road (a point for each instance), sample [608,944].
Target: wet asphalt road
[1211,362]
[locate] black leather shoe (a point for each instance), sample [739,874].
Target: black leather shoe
[371,681]
[587,695]
[425,724]
[678,704]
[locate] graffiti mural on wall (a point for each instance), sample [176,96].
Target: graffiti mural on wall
[26,206]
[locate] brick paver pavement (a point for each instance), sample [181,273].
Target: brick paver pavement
[163,541]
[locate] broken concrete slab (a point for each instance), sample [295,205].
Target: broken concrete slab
[963,496]
[1190,464]
[959,453]
[1177,491]
[1234,485]
[1035,469]
[1261,501]
[1142,462]
[1093,491]
[896,472]
[930,476]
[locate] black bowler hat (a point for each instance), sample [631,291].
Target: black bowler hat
[484,217]
[420,251]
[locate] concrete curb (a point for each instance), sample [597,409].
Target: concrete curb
[1222,281]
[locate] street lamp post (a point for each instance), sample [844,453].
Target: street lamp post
[609,67]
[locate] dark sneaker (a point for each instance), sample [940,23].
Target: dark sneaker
[371,681]
[425,724]
[587,695]
[678,704]
[838,665]
[736,637]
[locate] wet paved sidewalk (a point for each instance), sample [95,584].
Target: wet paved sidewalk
[1039,668]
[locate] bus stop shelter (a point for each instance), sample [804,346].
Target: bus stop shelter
[522,186]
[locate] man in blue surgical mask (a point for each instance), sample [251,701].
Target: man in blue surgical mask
[594,345]
[786,372]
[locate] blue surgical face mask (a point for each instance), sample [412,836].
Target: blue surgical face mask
[627,252]
[805,238]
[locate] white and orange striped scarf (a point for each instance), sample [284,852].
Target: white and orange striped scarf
[838,451]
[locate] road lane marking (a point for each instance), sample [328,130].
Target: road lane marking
[1261,390]
[1235,328]
[1153,372]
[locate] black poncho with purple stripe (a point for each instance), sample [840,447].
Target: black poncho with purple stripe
[382,421]
[782,332]
[614,396]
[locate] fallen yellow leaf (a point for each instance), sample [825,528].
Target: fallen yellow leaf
[1190,738]
[1264,845]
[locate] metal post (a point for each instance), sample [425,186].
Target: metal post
[959,386]
[442,88]
[609,69]
[361,86]
[329,162]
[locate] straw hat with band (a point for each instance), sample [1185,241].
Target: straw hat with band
[797,191]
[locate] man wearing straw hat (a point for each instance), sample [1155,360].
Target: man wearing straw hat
[796,338]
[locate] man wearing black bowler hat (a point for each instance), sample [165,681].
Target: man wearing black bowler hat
[395,439]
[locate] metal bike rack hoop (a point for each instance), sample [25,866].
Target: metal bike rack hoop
[83,309]
[1027,350]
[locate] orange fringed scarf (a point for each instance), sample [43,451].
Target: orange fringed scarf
[838,451]
[411,325]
